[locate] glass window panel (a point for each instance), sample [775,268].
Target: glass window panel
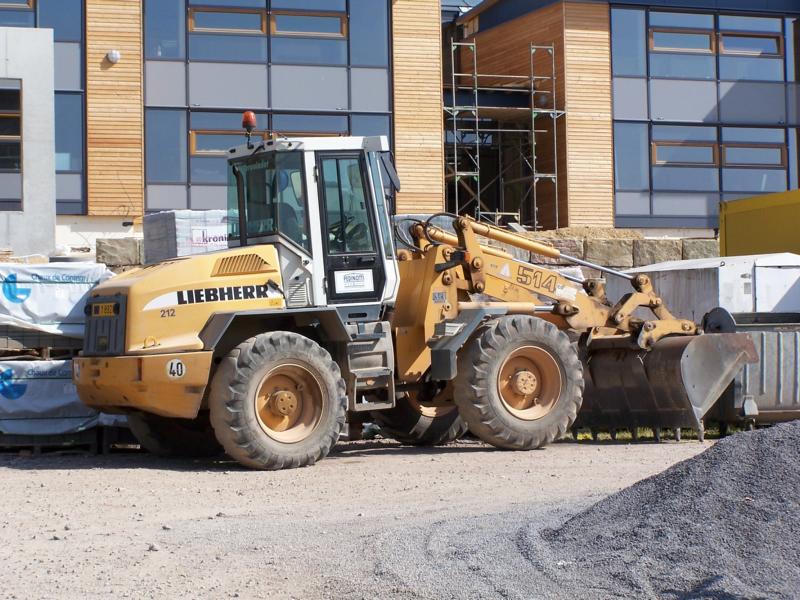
[369,90]
[683,101]
[685,178]
[232,3]
[346,206]
[17,2]
[750,68]
[671,40]
[738,23]
[16,18]
[165,146]
[683,66]
[228,86]
[10,125]
[376,168]
[369,33]
[333,5]
[632,203]
[64,17]
[673,19]
[10,154]
[754,180]
[309,124]
[682,133]
[234,48]
[289,50]
[631,156]
[628,42]
[68,66]
[370,125]
[165,83]
[231,21]
[686,205]
[209,169]
[744,155]
[296,88]
[751,103]
[223,121]
[69,132]
[313,24]
[750,45]
[630,99]
[792,48]
[683,154]
[164,27]
[9,100]
[274,197]
[753,134]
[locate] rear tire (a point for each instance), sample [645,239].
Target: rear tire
[520,383]
[186,438]
[278,401]
[420,423]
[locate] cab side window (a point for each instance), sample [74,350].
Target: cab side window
[347,211]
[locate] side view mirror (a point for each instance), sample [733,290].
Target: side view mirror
[387,160]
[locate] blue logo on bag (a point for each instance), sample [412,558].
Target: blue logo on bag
[15,294]
[8,389]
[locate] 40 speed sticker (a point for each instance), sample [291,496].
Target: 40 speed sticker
[176,369]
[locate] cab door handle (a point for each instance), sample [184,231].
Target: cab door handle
[366,260]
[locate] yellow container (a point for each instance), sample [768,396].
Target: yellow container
[760,225]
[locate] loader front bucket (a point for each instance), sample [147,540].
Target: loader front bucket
[673,385]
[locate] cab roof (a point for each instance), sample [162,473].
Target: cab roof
[310,144]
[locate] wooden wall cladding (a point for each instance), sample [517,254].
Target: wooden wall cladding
[114,112]
[418,117]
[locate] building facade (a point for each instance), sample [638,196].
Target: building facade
[149,95]
[670,107]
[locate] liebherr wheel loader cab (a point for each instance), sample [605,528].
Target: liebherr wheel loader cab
[312,317]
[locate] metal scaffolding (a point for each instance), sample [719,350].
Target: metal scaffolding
[506,126]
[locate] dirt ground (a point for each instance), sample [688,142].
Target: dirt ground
[373,520]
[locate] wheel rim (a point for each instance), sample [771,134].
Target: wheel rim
[289,403]
[529,383]
[438,406]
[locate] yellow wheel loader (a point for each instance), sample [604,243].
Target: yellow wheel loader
[313,318]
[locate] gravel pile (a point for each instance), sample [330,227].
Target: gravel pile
[725,524]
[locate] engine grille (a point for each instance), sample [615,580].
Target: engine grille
[105,333]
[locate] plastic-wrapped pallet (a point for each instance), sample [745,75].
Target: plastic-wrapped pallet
[48,298]
[175,233]
[38,398]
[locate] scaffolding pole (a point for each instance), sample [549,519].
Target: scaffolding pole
[509,136]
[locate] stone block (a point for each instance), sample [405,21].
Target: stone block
[650,252]
[571,246]
[119,252]
[610,252]
[700,248]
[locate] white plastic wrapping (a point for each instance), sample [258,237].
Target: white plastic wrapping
[49,297]
[39,398]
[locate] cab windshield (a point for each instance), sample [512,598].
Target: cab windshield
[274,197]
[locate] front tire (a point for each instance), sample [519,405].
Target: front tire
[277,401]
[519,383]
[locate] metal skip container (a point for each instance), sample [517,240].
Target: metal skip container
[767,392]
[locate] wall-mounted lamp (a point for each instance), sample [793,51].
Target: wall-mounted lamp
[114,56]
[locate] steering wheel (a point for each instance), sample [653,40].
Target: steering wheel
[338,229]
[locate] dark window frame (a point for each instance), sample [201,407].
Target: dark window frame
[341,35]
[656,162]
[191,26]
